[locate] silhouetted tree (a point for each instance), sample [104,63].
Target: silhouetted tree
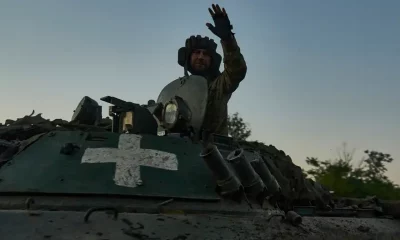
[367,179]
[237,128]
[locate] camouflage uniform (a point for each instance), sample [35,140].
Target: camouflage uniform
[222,87]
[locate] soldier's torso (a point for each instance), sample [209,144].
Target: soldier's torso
[216,119]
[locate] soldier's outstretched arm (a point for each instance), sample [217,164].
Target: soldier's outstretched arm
[234,63]
[235,67]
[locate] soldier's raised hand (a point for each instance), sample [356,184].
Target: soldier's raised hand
[223,27]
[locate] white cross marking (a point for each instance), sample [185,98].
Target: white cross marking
[129,157]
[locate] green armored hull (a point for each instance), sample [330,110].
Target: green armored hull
[49,191]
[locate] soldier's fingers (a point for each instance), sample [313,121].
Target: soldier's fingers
[215,9]
[218,9]
[211,12]
[224,12]
[209,25]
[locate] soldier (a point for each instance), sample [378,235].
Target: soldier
[199,57]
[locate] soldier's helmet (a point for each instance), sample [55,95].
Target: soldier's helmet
[198,42]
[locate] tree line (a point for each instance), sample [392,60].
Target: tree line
[343,175]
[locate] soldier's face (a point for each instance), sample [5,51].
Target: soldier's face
[200,60]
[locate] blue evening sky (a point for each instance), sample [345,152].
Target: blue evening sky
[319,72]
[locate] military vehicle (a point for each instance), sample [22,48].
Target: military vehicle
[152,172]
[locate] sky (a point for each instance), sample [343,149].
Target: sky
[320,73]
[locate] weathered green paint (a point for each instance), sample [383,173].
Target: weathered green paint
[41,168]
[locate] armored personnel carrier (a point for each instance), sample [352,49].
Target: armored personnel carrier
[151,172]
